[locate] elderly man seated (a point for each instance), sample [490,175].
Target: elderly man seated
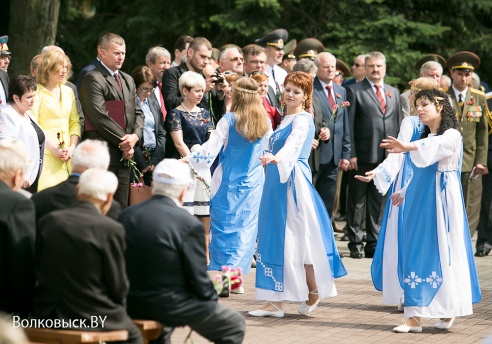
[166,263]
[81,265]
[88,154]
[17,233]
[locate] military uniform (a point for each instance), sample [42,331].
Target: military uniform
[5,54]
[308,48]
[484,229]
[472,113]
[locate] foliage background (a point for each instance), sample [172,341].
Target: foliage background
[403,30]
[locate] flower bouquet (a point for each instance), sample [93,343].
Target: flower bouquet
[229,279]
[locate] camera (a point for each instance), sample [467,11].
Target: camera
[218,76]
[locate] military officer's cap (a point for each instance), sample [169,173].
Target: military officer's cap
[431,57]
[289,50]
[464,60]
[274,39]
[4,49]
[309,48]
[342,67]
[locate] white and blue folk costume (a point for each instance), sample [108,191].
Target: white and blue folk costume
[392,176]
[235,193]
[437,269]
[293,227]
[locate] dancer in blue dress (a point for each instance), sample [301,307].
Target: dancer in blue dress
[238,180]
[392,176]
[438,273]
[297,259]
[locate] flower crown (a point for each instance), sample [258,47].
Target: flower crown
[245,90]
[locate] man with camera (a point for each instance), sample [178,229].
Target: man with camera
[198,57]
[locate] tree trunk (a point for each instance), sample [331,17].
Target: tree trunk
[32,25]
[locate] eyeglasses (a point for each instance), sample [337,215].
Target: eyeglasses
[146,90]
[236,59]
[358,65]
[337,73]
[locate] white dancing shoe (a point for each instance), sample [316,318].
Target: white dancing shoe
[305,308]
[263,313]
[443,324]
[404,328]
[238,290]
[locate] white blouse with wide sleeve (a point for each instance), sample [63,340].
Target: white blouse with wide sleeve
[387,171]
[290,152]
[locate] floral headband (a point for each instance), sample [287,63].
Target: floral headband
[245,90]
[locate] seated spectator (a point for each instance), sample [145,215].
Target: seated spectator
[88,154]
[166,263]
[17,234]
[80,257]
[10,334]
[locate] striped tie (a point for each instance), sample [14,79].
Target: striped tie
[382,102]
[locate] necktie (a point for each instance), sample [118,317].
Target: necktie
[163,107]
[118,80]
[382,102]
[460,102]
[330,98]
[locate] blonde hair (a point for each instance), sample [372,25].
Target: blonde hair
[52,62]
[420,84]
[252,121]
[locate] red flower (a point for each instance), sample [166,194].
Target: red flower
[388,94]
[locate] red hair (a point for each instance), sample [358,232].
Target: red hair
[304,81]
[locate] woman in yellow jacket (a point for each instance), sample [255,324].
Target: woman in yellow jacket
[56,112]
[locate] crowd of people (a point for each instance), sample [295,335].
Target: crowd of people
[247,159]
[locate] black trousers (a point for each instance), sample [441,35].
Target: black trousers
[326,184]
[484,227]
[122,172]
[223,326]
[363,197]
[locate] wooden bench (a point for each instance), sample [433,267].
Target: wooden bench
[150,329]
[43,335]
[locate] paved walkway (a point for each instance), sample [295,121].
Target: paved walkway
[356,315]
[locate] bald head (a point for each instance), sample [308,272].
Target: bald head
[327,66]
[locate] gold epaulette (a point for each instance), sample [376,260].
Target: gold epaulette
[474,90]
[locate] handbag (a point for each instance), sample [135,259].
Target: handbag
[139,194]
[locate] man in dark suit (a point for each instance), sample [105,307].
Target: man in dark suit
[255,60]
[107,83]
[17,236]
[198,56]
[335,153]
[4,87]
[374,113]
[178,292]
[88,154]
[81,265]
